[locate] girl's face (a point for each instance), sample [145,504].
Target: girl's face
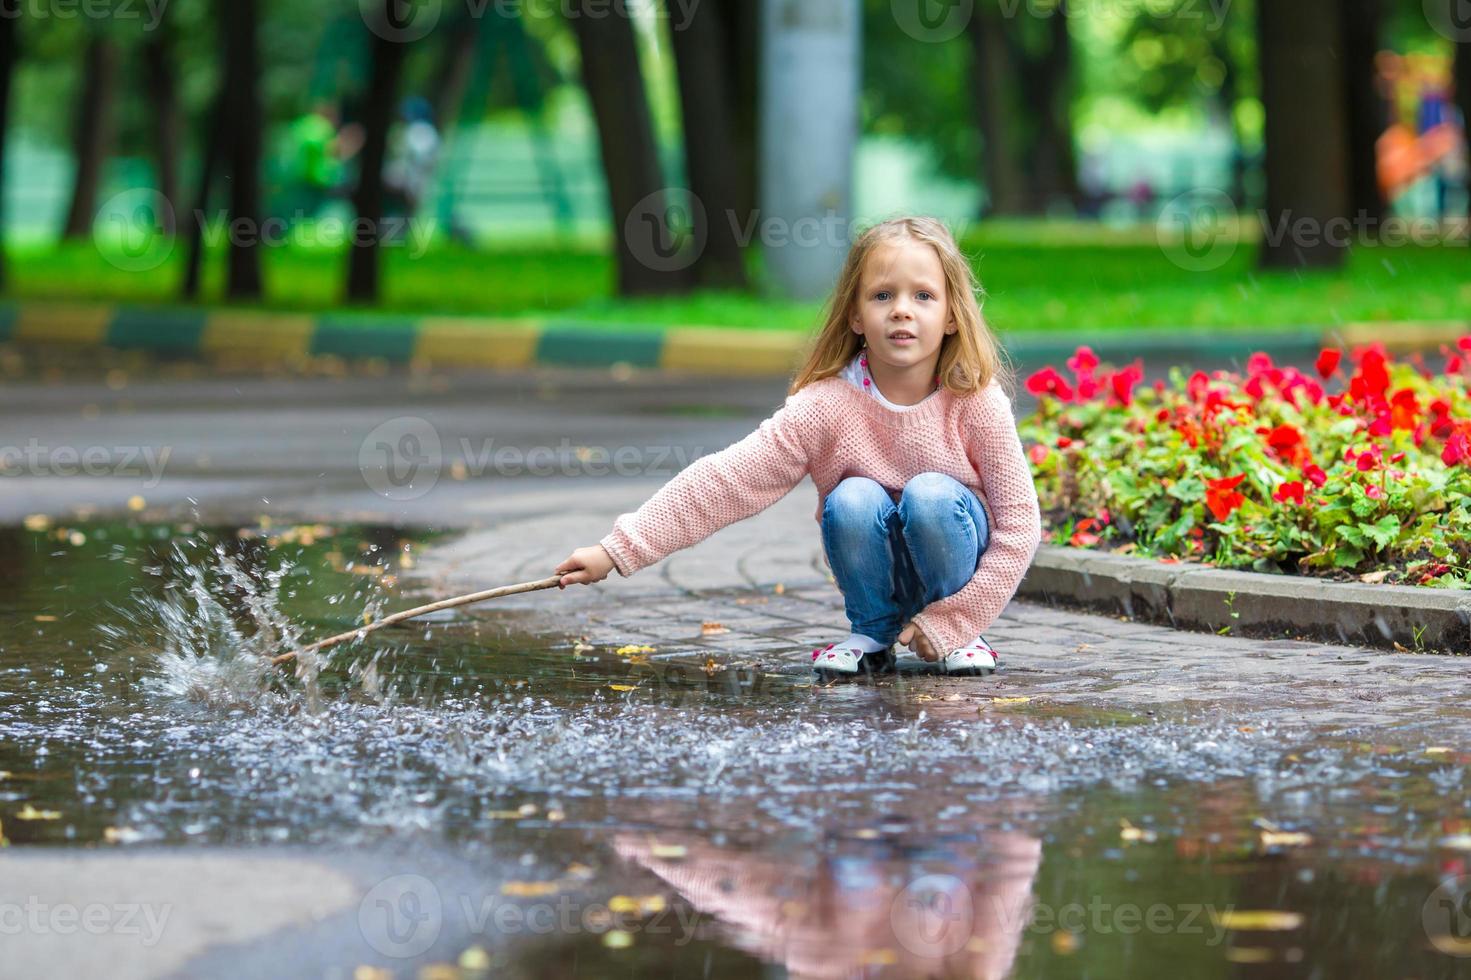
[902,309]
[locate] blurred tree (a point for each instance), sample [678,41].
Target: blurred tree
[92,130]
[741,34]
[1043,58]
[1363,36]
[992,98]
[710,146]
[241,123]
[9,55]
[386,61]
[162,85]
[614,82]
[1306,162]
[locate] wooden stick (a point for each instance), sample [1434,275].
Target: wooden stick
[399,617]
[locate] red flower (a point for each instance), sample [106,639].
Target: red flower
[1457,449]
[1404,409]
[1221,496]
[1083,360]
[1287,442]
[1038,454]
[1292,490]
[1374,492]
[1083,536]
[1315,474]
[1123,383]
[1373,376]
[1370,459]
[1328,360]
[1048,382]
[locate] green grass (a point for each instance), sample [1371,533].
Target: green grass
[1040,276]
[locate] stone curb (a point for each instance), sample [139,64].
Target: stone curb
[1252,603]
[508,344]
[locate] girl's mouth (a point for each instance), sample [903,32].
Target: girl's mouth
[902,338]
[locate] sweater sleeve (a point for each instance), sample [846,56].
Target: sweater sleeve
[717,490]
[1016,531]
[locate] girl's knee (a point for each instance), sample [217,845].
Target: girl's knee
[857,494]
[928,492]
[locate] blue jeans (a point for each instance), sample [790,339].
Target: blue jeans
[891,560]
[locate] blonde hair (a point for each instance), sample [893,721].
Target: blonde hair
[969,358]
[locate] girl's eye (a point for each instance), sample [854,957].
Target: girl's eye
[882,295]
[925,294]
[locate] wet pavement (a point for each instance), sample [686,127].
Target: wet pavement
[641,777]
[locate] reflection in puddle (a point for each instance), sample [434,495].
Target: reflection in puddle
[873,830]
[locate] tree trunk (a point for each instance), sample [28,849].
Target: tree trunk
[699,54]
[741,35]
[92,133]
[1362,23]
[1046,92]
[1306,134]
[991,76]
[243,123]
[378,113]
[614,83]
[211,150]
[163,96]
[452,75]
[9,55]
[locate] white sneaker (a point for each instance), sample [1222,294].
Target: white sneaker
[833,661]
[976,657]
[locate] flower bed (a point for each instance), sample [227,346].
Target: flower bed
[1271,471]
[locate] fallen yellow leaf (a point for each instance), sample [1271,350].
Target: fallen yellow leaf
[1285,838]
[530,889]
[624,651]
[624,687]
[1010,700]
[668,852]
[1136,835]
[43,618]
[37,522]
[710,629]
[136,503]
[636,905]
[1259,920]
[1248,954]
[29,812]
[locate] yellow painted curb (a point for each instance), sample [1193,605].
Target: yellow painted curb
[270,336]
[477,343]
[66,324]
[713,350]
[1403,335]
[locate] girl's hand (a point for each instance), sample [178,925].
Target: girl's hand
[911,637]
[585,566]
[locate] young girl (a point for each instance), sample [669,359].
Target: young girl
[928,514]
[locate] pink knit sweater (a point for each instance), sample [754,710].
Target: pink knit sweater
[831,430]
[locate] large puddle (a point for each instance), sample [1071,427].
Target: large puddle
[671,813]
